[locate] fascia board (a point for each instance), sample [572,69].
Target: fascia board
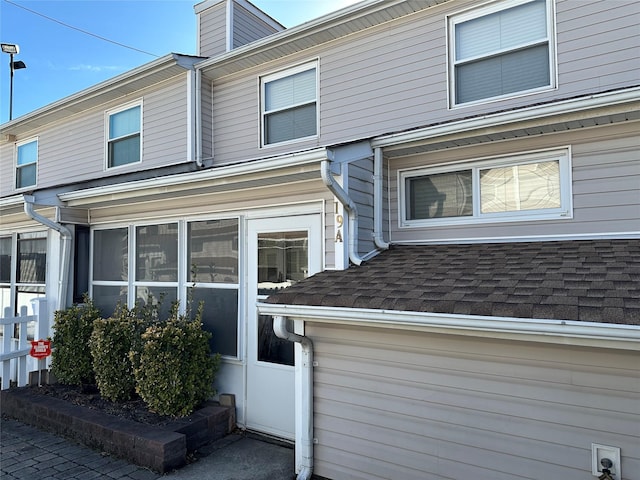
[185,179]
[590,334]
[538,112]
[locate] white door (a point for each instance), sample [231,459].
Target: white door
[282,251]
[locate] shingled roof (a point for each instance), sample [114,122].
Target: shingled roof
[585,280]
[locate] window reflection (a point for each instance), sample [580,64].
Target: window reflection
[271,348]
[157,253]
[213,251]
[282,260]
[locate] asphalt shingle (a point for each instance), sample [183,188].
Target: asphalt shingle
[582,280]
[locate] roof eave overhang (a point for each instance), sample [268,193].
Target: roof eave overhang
[307,35]
[128,83]
[239,175]
[582,112]
[565,332]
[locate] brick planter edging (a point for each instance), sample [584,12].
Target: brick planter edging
[160,448]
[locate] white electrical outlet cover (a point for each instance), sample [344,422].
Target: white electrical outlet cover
[598,452]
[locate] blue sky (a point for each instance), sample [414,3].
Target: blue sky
[61,60]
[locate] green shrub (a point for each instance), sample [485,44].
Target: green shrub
[110,345]
[175,370]
[71,357]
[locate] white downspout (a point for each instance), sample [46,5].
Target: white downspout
[66,237]
[377,200]
[306,386]
[349,206]
[198,126]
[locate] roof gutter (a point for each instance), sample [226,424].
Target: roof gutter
[66,237]
[601,100]
[565,332]
[219,173]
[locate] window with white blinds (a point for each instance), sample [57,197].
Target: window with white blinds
[513,188]
[123,143]
[289,105]
[501,50]
[26,164]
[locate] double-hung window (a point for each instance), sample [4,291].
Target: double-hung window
[290,105]
[514,188]
[23,272]
[500,50]
[26,164]
[123,136]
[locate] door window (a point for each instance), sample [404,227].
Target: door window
[282,261]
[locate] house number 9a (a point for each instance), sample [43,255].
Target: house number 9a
[339,223]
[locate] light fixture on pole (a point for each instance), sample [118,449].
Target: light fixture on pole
[12,49]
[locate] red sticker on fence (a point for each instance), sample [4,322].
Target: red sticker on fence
[40,348]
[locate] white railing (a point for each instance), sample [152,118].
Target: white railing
[14,352]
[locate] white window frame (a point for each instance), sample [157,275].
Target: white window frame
[18,167]
[489,9]
[12,288]
[263,113]
[183,282]
[565,211]
[107,117]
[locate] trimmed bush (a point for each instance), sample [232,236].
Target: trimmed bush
[71,357]
[175,369]
[110,344]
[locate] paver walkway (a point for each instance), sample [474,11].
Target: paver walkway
[29,453]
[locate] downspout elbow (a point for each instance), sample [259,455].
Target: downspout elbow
[350,207]
[66,237]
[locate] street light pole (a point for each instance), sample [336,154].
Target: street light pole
[11,87]
[12,49]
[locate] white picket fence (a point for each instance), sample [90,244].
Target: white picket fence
[14,352]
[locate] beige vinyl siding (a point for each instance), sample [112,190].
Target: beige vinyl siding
[7,168]
[74,150]
[247,27]
[165,125]
[598,44]
[236,117]
[394,76]
[213,30]
[393,404]
[606,185]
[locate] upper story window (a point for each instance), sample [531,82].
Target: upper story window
[500,50]
[124,130]
[515,188]
[290,105]
[26,164]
